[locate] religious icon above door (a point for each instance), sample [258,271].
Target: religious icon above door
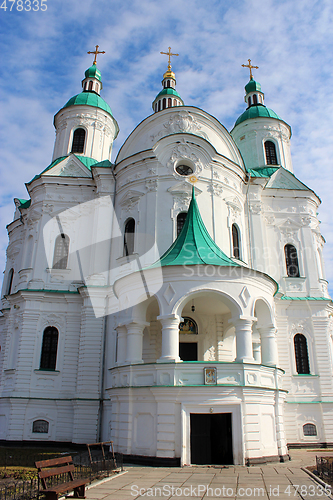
[188,325]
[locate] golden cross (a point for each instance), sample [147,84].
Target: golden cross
[96,52]
[169,53]
[250,67]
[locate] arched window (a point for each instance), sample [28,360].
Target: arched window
[291,261]
[78,140]
[309,430]
[249,101]
[168,83]
[271,158]
[235,241]
[181,218]
[90,86]
[255,99]
[40,426]
[301,354]
[164,102]
[49,348]
[169,102]
[85,86]
[175,102]
[60,256]
[159,105]
[10,281]
[129,237]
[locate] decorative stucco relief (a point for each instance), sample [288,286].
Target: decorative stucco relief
[183,121]
[181,152]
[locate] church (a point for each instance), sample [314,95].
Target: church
[173,301]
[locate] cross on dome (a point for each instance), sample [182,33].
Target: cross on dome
[96,51]
[250,68]
[169,53]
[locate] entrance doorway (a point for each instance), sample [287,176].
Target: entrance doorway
[188,351]
[211,438]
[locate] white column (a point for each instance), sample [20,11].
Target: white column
[121,344]
[268,345]
[256,345]
[243,332]
[170,338]
[134,342]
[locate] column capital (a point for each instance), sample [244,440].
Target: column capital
[267,330]
[169,317]
[242,320]
[136,323]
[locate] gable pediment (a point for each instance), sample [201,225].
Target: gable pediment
[289,224]
[184,188]
[69,167]
[283,179]
[131,196]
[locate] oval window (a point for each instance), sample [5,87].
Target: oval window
[184,170]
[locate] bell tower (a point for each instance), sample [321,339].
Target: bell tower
[85,125]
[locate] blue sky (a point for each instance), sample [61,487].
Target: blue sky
[44,56]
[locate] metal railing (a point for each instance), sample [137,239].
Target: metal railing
[324,466]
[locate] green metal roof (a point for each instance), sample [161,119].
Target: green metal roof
[194,244]
[262,171]
[104,163]
[24,203]
[93,72]
[259,111]
[252,86]
[89,99]
[284,297]
[168,92]
[86,160]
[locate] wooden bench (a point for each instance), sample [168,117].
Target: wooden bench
[54,467]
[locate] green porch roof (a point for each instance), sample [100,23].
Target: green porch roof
[194,245]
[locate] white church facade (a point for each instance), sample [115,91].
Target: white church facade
[173,301]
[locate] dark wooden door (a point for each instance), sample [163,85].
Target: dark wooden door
[211,438]
[188,351]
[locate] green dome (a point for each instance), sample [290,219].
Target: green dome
[93,72]
[90,99]
[255,112]
[168,91]
[252,86]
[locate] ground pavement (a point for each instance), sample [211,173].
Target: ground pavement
[280,481]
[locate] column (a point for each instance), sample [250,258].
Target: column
[121,344]
[268,345]
[256,346]
[134,342]
[243,332]
[170,338]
